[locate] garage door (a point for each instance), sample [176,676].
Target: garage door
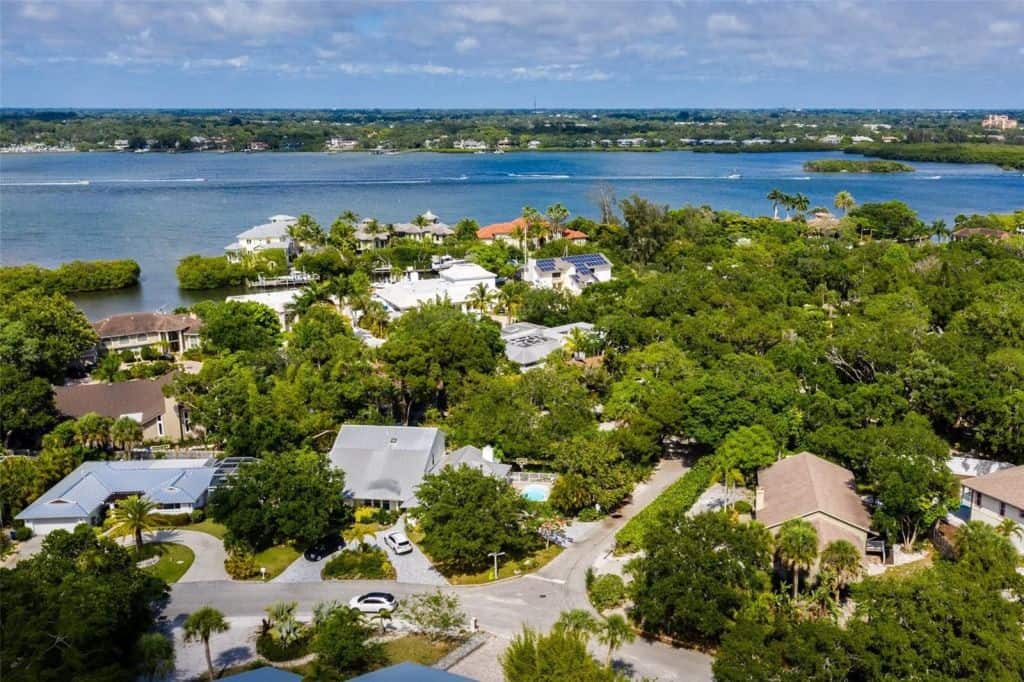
[44,527]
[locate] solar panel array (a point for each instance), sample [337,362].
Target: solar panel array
[587,260]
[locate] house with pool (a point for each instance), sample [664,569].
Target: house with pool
[384,465]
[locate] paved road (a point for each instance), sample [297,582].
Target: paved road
[501,608]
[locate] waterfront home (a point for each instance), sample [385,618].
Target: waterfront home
[370,235]
[270,235]
[983,232]
[996,497]
[161,417]
[470,145]
[805,486]
[528,344]
[571,274]
[279,301]
[338,144]
[135,331]
[428,228]
[454,284]
[512,231]
[384,465]
[175,486]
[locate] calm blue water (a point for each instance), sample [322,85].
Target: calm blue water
[156,208]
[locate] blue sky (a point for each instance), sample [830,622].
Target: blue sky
[601,53]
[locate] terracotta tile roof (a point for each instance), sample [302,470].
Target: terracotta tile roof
[804,484]
[144,323]
[573,234]
[491,231]
[139,396]
[1006,485]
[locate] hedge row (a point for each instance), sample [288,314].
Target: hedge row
[71,278]
[679,496]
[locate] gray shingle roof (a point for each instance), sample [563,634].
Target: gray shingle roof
[473,458]
[385,462]
[83,490]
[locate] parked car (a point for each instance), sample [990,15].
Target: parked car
[323,547]
[374,602]
[398,542]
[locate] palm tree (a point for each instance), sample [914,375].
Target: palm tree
[797,543]
[323,610]
[420,221]
[133,516]
[577,622]
[1010,529]
[578,341]
[480,297]
[156,654]
[725,470]
[108,367]
[613,632]
[93,430]
[201,625]
[519,234]
[840,560]
[800,203]
[126,433]
[537,229]
[557,215]
[374,318]
[939,229]
[311,294]
[280,611]
[777,197]
[843,201]
[509,303]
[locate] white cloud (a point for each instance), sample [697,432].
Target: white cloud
[726,23]
[38,11]
[1002,27]
[467,44]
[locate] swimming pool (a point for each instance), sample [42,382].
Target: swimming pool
[537,492]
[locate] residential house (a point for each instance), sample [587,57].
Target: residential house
[370,235]
[572,274]
[257,146]
[470,145]
[509,233]
[805,486]
[454,283]
[161,417]
[528,344]
[270,235]
[831,138]
[857,139]
[984,232]
[384,465]
[631,142]
[998,496]
[432,230]
[339,144]
[279,300]
[135,331]
[176,486]
[121,145]
[533,144]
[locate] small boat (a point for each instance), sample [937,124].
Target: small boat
[733,176]
[499,151]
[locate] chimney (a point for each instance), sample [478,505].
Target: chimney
[487,452]
[758,499]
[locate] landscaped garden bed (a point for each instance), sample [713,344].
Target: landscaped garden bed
[365,563]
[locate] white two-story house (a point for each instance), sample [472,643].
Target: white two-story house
[270,235]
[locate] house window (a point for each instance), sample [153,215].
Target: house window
[1002,509]
[160,426]
[977,499]
[186,423]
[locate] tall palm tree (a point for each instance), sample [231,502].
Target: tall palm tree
[577,622]
[420,221]
[799,202]
[841,561]
[311,294]
[940,229]
[843,201]
[777,197]
[557,215]
[509,303]
[133,516]
[537,229]
[93,430]
[613,632]
[201,625]
[797,543]
[480,297]
[519,234]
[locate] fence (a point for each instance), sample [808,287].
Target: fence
[533,477]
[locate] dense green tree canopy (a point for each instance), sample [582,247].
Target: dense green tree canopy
[238,326]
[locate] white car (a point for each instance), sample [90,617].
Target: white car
[374,602]
[398,542]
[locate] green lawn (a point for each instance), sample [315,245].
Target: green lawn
[209,527]
[175,559]
[418,649]
[527,564]
[276,559]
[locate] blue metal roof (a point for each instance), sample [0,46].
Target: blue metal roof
[267,674]
[410,672]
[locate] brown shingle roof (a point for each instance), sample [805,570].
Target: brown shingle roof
[144,323]
[805,483]
[143,396]
[1006,485]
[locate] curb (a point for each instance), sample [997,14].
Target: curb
[463,650]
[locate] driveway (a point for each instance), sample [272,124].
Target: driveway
[303,570]
[209,551]
[413,567]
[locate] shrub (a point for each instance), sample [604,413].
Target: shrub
[23,533]
[607,591]
[197,272]
[241,564]
[273,649]
[150,353]
[198,515]
[743,507]
[366,563]
[681,495]
[127,356]
[171,519]
[73,277]
[590,514]
[365,514]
